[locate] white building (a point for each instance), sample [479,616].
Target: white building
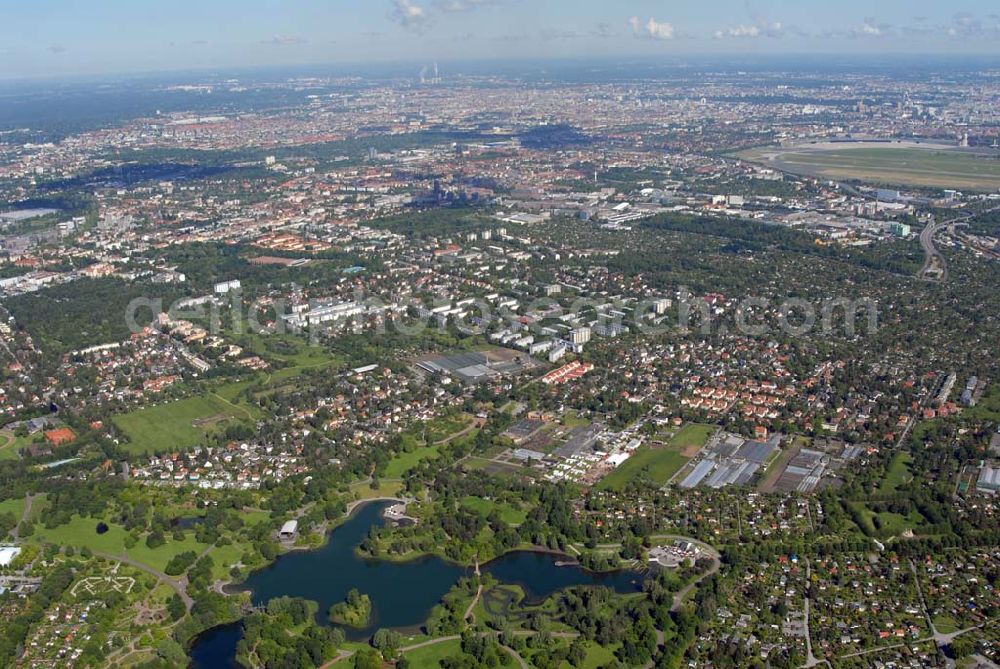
[227,287]
[289,529]
[8,554]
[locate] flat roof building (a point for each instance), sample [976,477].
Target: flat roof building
[289,529]
[8,554]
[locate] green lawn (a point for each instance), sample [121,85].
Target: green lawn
[8,446]
[224,557]
[905,165]
[16,506]
[416,438]
[172,426]
[571,419]
[11,444]
[945,624]
[659,464]
[898,473]
[364,490]
[894,524]
[597,656]
[13,506]
[442,428]
[431,656]
[509,514]
[80,532]
[988,407]
[294,353]
[693,434]
[404,462]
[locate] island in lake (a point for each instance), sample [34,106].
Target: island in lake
[355,611]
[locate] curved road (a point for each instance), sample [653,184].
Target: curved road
[178,586]
[934,259]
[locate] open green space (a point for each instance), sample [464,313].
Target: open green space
[446,427]
[942,167]
[597,656]
[13,506]
[886,524]
[178,425]
[898,473]
[693,434]
[945,624]
[363,490]
[423,441]
[431,656]
[658,464]
[8,446]
[404,462]
[290,352]
[988,407]
[11,444]
[510,514]
[82,532]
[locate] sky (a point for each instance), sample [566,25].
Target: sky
[57,38]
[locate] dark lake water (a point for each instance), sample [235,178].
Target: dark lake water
[402,594]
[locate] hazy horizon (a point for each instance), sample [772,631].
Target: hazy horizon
[60,38]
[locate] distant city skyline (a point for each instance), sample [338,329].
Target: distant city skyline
[66,37]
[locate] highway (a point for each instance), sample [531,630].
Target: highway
[935,266]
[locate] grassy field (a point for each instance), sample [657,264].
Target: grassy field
[80,532]
[177,425]
[363,490]
[484,507]
[292,353]
[903,165]
[692,434]
[10,444]
[898,474]
[890,524]
[13,506]
[431,656]
[415,443]
[445,427]
[988,407]
[404,462]
[597,656]
[660,463]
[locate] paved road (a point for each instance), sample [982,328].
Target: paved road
[29,499]
[933,259]
[933,256]
[346,654]
[811,660]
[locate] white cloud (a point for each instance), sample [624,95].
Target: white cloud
[408,13]
[759,29]
[652,29]
[872,29]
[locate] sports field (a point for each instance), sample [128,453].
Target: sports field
[177,425]
[905,164]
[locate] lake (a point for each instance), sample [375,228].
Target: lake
[402,593]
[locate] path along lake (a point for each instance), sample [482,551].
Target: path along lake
[402,593]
